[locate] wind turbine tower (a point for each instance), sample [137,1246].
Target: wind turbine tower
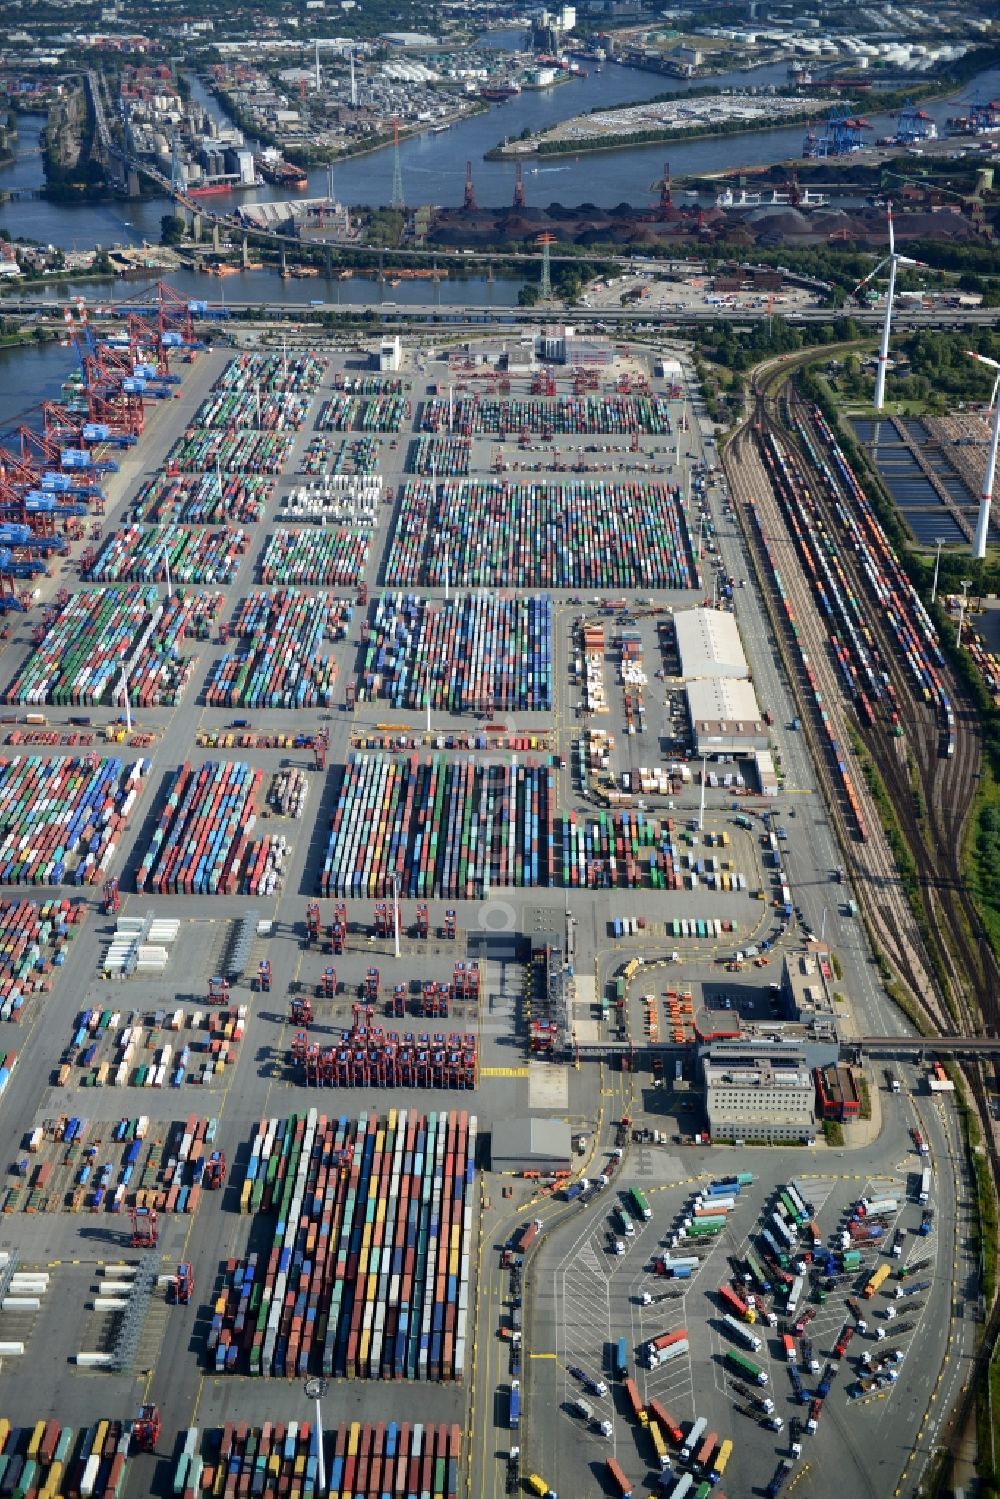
[354,84]
[319,80]
[983,523]
[892,260]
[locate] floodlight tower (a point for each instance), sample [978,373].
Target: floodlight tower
[983,523]
[892,260]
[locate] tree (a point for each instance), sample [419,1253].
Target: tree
[528,295]
[171,229]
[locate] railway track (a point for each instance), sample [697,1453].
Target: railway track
[928,757]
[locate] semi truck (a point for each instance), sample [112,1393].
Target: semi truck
[741,1332]
[745,1367]
[635,1403]
[875,1207]
[621,1484]
[925,1185]
[657,1356]
[666,1421]
[737,1305]
[879,1276]
[640,1206]
[693,1437]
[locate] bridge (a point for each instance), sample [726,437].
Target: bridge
[944,1046]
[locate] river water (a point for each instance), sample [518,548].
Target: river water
[433,166]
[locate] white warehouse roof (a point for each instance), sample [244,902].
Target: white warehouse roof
[708,644]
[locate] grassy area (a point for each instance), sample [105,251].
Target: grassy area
[982,853]
[833,1133]
[864,1093]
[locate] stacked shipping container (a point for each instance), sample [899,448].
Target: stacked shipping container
[367,1276]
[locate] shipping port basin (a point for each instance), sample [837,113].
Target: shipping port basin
[495,930]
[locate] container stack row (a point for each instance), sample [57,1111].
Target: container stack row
[142,554]
[105,635]
[381,413]
[580,416]
[442,455]
[368,1272]
[446,829]
[62,818]
[473,653]
[201,450]
[48,1460]
[491,533]
[349,499]
[333,558]
[33,940]
[203,499]
[200,840]
[278,660]
[275,411]
[385,1459]
[293,372]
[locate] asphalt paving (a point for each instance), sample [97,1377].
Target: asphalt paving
[576,1299]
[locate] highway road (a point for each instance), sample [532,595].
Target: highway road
[620,321]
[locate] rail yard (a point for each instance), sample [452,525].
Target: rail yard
[387,901]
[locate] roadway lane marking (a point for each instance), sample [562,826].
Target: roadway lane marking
[504,1072]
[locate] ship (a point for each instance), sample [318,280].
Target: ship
[498,93]
[212,189]
[273,168]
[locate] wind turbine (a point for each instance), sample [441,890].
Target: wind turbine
[892,260]
[983,523]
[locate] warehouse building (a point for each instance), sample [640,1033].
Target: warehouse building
[725,718]
[752,1095]
[709,645]
[543,1145]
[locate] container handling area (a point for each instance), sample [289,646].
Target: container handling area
[405,776]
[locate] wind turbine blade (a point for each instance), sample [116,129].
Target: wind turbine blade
[892,235]
[870,275]
[983,359]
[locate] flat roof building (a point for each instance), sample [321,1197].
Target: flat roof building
[532,1144]
[709,644]
[805,986]
[837,1094]
[759,1096]
[725,718]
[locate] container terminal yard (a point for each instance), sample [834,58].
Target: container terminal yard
[431,769]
